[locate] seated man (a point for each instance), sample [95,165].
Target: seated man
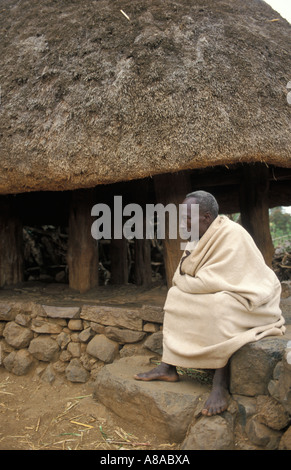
[223,296]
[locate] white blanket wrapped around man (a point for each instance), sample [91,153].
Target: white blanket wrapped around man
[223,296]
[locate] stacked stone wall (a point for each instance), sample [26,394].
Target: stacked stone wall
[74,340]
[78,341]
[259,415]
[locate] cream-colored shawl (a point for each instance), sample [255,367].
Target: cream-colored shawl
[226,297]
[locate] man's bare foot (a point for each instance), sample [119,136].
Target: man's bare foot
[218,398]
[165,372]
[217,402]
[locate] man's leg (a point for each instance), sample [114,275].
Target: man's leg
[217,401]
[165,372]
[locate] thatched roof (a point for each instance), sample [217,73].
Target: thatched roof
[89,96]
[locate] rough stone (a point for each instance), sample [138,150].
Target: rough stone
[5,347]
[246,406]
[75,325]
[18,362]
[122,335]
[95,369]
[271,413]
[44,348]
[38,325]
[6,312]
[48,375]
[2,326]
[286,289]
[152,313]
[87,361]
[61,312]
[159,407]
[75,372]
[74,349]
[75,337]
[97,328]
[280,386]
[262,435]
[151,327]
[23,307]
[134,349]
[252,366]
[17,336]
[113,316]
[65,356]
[285,306]
[102,348]
[60,366]
[278,370]
[155,342]
[209,433]
[63,339]
[285,442]
[22,319]
[86,335]
[9,310]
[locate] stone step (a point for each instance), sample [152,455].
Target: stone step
[165,409]
[169,410]
[252,366]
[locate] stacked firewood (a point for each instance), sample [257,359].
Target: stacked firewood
[45,251]
[282,262]
[45,256]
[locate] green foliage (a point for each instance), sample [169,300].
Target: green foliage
[280,226]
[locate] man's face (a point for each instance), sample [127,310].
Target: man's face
[204,219]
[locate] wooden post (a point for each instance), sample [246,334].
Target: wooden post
[254,206]
[142,265]
[82,247]
[11,243]
[119,261]
[172,188]
[142,247]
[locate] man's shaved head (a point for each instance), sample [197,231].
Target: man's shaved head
[207,202]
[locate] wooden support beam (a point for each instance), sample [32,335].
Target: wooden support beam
[82,247]
[11,243]
[254,207]
[172,188]
[142,264]
[142,248]
[119,261]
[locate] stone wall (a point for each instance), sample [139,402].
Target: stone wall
[78,341]
[259,415]
[73,340]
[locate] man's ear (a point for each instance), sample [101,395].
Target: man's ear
[207,215]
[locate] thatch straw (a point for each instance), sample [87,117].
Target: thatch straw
[90,96]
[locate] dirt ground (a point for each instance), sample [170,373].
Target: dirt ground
[63,416]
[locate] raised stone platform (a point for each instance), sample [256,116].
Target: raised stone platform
[160,407]
[255,419]
[110,333]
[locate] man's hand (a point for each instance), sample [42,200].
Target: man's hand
[184,257]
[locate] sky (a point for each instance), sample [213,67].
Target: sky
[281,6]
[284,8]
